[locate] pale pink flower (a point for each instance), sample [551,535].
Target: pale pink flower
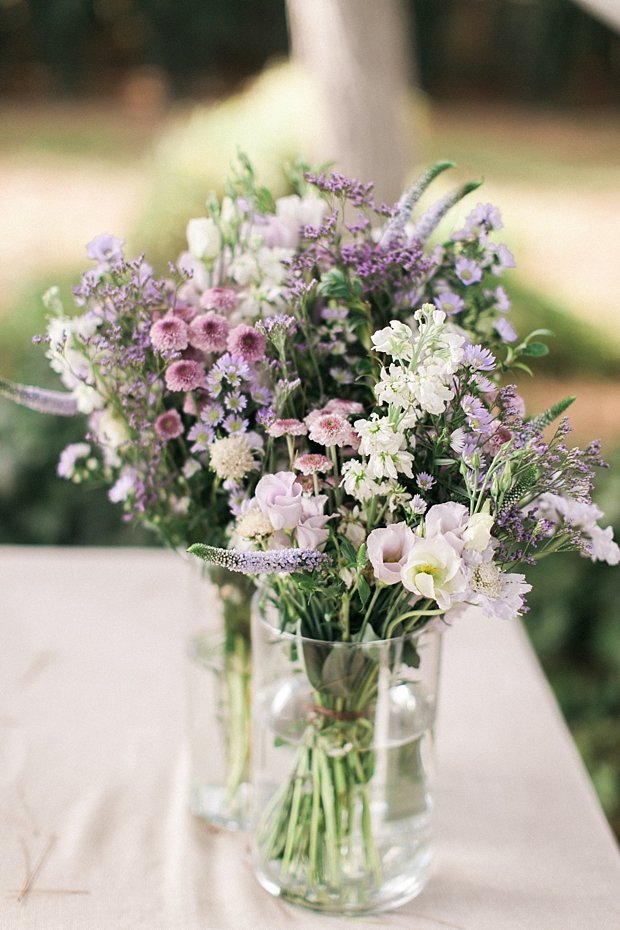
[288,427]
[168,425]
[279,497]
[247,342]
[345,408]
[312,463]
[169,333]
[449,522]
[332,429]
[219,298]
[185,375]
[209,332]
[311,531]
[388,549]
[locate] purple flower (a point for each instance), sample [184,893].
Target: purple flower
[503,300]
[478,417]
[212,414]
[468,271]
[233,368]
[168,425]
[425,481]
[236,402]
[105,248]
[257,563]
[503,259]
[209,332]
[479,359]
[185,375]
[247,342]
[450,303]
[235,424]
[505,330]
[169,333]
[201,435]
[260,395]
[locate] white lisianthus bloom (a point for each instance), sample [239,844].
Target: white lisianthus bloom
[395,340]
[477,533]
[203,238]
[433,570]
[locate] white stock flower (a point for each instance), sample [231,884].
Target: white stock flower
[388,464]
[379,435]
[357,482]
[395,340]
[203,238]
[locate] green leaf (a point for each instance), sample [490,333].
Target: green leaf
[523,367]
[362,558]
[340,670]
[363,589]
[539,332]
[536,349]
[544,419]
[347,550]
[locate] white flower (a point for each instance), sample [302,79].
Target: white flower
[124,485]
[244,269]
[111,431]
[395,340]
[388,464]
[231,458]
[203,238]
[254,525]
[433,570]
[69,456]
[357,482]
[379,435]
[477,533]
[499,594]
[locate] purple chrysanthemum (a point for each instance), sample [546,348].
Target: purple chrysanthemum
[169,333]
[184,375]
[209,332]
[169,425]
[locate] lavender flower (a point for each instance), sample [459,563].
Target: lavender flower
[105,248]
[258,563]
[425,481]
[468,271]
[505,330]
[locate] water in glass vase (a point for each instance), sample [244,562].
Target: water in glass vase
[344,798]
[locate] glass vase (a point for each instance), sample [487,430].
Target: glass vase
[343,767]
[219,662]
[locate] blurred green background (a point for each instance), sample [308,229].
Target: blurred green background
[120,116]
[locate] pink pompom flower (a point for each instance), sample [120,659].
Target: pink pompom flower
[313,463]
[185,375]
[332,429]
[169,333]
[247,342]
[209,332]
[219,298]
[287,427]
[169,425]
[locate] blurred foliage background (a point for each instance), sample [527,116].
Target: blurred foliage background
[122,114]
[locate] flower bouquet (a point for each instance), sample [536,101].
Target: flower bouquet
[317,398]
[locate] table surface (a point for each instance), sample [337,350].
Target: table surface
[93,772]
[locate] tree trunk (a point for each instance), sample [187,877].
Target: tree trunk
[357,53]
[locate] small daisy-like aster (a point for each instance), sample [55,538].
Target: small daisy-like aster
[236,402]
[231,458]
[288,427]
[450,303]
[185,375]
[425,481]
[235,424]
[247,342]
[313,464]
[209,332]
[418,505]
[201,435]
[468,271]
[169,425]
[260,395]
[212,414]
[169,333]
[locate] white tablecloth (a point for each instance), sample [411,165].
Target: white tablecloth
[93,815]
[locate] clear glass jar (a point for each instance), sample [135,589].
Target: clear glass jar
[219,666]
[343,767]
